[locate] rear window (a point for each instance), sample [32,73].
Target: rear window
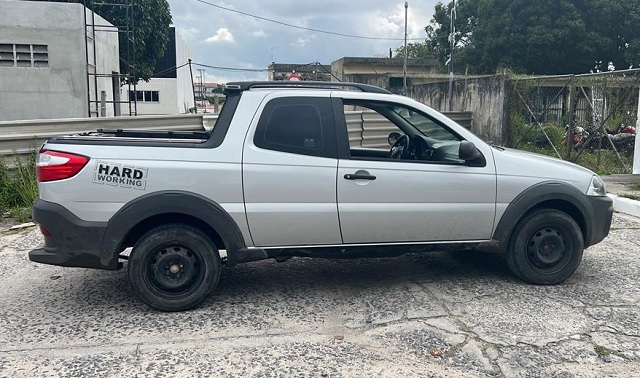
[297,125]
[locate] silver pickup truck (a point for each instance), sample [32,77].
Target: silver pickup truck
[279,176]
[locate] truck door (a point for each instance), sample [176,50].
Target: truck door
[424,194]
[289,173]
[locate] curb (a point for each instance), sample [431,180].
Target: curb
[625,205]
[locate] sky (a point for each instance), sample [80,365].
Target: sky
[223,38]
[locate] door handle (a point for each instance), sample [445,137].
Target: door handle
[359,176]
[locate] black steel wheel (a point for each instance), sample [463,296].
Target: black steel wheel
[174,267]
[546,247]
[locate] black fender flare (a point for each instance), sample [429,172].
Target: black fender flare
[537,194]
[166,202]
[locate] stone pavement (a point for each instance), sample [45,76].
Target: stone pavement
[457,314]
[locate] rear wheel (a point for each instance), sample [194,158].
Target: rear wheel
[546,247]
[174,267]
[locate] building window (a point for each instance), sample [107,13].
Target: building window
[23,55]
[144,96]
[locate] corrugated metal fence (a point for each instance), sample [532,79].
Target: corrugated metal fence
[366,128]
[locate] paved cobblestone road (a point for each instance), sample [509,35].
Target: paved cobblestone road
[458,314]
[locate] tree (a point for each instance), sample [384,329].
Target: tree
[539,37]
[415,50]
[151,21]
[535,37]
[614,30]
[439,29]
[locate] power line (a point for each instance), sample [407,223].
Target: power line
[305,28]
[231,68]
[329,72]
[155,74]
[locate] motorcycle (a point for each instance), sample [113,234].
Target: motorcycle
[622,138]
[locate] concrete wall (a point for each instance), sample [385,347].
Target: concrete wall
[381,71]
[59,90]
[483,96]
[176,94]
[168,95]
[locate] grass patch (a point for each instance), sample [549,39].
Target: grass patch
[603,351]
[533,138]
[635,186]
[497,346]
[18,187]
[635,197]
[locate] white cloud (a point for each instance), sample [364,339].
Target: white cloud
[222,35]
[258,34]
[258,42]
[188,33]
[303,41]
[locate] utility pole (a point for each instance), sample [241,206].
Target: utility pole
[201,90]
[193,88]
[404,65]
[452,44]
[201,71]
[636,154]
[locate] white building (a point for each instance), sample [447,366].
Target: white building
[44,63]
[170,91]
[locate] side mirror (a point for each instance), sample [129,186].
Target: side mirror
[471,155]
[393,137]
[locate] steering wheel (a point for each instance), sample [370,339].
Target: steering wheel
[401,149]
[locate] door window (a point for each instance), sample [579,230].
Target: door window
[404,133]
[297,125]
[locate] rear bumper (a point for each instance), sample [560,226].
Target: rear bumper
[73,241]
[601,221]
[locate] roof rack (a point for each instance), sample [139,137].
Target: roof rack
[246,85]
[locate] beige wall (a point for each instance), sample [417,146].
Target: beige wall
[59,90]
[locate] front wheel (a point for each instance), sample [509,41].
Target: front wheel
[546,247]
[174,267]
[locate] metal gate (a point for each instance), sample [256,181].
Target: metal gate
[587,119]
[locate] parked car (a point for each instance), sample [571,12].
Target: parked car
[280,175]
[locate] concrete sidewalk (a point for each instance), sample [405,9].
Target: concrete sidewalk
[619,187]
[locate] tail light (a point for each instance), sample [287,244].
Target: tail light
[45,231]
[54,165]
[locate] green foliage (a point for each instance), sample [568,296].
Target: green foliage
[632,196]
[439,29]
[602,351]
[415,50]
[18,187]
[151,21]
[529,137]
[538,37]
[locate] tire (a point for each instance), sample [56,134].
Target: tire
[174,267]
[545,247]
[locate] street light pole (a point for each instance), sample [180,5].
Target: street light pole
[404,65]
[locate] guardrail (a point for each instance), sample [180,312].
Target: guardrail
[21,138]
[366,128]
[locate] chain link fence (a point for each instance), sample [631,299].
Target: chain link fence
[587,119]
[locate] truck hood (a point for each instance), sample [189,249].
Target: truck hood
[512,162]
